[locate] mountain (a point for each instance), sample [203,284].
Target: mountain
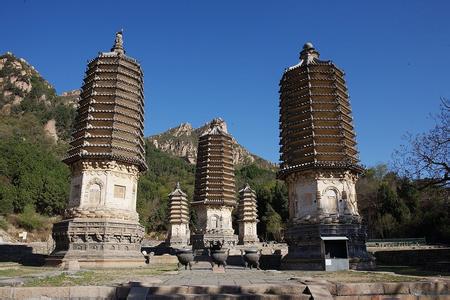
[182,141]
[25,93]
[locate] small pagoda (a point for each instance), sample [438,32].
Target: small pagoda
[101,225]
[248,216]
[178,235]
[319,163]
[214,193]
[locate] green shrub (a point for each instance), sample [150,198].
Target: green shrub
[30,220]
[3,223]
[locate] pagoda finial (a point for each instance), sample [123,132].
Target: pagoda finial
[177,187]
[309,53]
[118,43]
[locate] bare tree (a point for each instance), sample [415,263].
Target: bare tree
[425,156]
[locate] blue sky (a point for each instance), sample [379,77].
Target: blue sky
[204,59]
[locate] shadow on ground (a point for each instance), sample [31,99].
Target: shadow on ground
[411,270]
[21,254]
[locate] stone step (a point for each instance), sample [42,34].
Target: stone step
[271,289]
[229,296]
[318,292]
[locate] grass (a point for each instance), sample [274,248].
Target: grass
[99,276]
[21,271]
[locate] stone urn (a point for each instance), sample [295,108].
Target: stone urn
[251,258]
[185,257]
[219,257]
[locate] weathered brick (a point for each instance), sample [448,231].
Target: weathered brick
[423,288]
[169,289]
[40,292]
[104,292]
[395,288]
[254,288]
[6,292]
[348,289]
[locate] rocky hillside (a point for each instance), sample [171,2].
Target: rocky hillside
[182,141]
[23,91]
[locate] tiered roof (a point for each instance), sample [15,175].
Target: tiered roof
[178,207]
[110,120]
[316,124]
[247,208]
[214,176]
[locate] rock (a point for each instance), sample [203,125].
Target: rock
[71,98]
[24,86]
[72,265]
[17,100]
[6,109]
[11,282]
[16,65]
[50,129]
[183,129]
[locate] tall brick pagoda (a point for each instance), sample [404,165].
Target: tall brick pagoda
[101,225]
[214,193]
[319,163]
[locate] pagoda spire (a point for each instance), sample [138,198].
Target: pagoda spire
[118,43]
[309,53]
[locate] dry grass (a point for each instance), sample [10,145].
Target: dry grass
[109,277]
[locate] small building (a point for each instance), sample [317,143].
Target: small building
[178,235]
[247,216]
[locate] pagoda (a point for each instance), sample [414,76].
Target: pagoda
[319,163]
[214,192]
[178,234]
[248,216]
[101,225]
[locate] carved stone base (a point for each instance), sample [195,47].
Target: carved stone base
[249,240]
[307,249]
[177,242]
[202,241]
[108,243]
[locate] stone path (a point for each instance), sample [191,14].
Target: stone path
[202,274]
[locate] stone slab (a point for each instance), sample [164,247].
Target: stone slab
[6,292]
[94,292]
[218,269]
[395,288]
[318,292]
[40,292]
[349,289]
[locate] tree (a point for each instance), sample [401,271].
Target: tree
[274,224]
[426,156]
